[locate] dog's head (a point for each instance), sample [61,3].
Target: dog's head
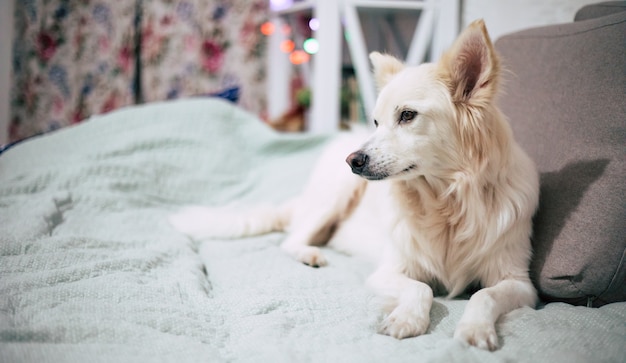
[433,118]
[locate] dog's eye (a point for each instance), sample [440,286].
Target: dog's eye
[407,116]
[375,123]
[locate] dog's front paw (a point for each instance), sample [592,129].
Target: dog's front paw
[480,335]
[311,256]
[402,324]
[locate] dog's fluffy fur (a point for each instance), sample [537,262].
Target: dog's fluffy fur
[441,195]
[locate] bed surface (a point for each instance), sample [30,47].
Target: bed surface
[90,270]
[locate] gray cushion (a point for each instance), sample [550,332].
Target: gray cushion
[565,95]
[598,10]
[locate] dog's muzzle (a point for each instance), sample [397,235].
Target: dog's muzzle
[358,162]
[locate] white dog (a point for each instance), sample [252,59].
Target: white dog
[441,192]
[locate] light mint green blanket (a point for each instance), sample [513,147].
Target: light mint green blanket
[90,270]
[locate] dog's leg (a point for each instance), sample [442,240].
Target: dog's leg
[317,213]
[477,325]
[307,228]
[329,197]
[410,302]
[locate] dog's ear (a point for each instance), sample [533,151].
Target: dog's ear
[385,67]
[471,67]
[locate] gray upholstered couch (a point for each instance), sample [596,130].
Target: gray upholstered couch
[565,95]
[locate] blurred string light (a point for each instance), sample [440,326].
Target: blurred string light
[278,5]
[287,46]
[309,46]
[286,29]
[268,28]
[299,57]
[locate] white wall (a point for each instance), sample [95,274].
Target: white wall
[6,36]
[506,16]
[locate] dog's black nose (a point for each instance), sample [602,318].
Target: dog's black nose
[357,161]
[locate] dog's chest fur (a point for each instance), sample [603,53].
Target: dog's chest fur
[438,242]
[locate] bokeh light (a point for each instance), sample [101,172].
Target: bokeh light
[311,45]
[278,5]
[314,24]
[287,46]
[268,28]
[299,57]
[286,29]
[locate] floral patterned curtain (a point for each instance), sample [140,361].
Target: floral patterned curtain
[75,58]
[70,59]
[200,47]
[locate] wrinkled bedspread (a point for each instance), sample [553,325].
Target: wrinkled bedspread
[90,270]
